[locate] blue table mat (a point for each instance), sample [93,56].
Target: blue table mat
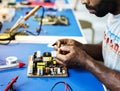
[47,30]
[79,79]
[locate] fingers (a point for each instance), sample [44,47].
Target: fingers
[64,53]
[60,62]
[62,42]
[57,44]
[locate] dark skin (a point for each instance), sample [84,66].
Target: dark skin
[71,53]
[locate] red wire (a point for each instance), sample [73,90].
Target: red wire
[66,87]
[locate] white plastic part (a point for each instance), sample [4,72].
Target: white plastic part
[11,60]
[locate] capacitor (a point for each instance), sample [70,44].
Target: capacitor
[30,66]
[34,67]
[47,70]
[51,70]
[38,54]
[47,56]
[58,70]
[63,71]
[55,70]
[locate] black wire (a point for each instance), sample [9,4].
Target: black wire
[41,21]
[6,43]
[63,83]
[12,37]
[9,39]
[29,32]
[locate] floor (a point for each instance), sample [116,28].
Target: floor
[98,23]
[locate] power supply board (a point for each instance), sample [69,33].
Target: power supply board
[45,66]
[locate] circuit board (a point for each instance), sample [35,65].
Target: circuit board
[52,20]
[45,66]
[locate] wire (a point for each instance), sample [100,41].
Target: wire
[12,37]
[9,39]
[67,86]
[41,21]
[29,32]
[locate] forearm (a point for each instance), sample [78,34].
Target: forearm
[94,50]
[108,77]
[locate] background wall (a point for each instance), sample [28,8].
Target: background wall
[98,23]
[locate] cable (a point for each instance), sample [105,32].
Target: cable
[12,37]
[9,39]
[41,21]
[67,86]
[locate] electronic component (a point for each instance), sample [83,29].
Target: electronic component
[45,66]
[52,20]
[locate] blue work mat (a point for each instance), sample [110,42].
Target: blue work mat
[79,79]
[47,30]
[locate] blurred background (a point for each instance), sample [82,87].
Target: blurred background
[93,27]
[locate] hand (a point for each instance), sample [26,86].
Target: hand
[71,56]
[67,42]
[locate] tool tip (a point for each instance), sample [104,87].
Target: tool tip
[21,64]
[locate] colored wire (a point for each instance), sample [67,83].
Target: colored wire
[67,86]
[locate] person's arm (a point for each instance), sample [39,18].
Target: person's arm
[97,53]
[75,56]
[94,50]
[110,78]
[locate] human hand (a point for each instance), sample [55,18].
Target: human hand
[71,56]
[66,42]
